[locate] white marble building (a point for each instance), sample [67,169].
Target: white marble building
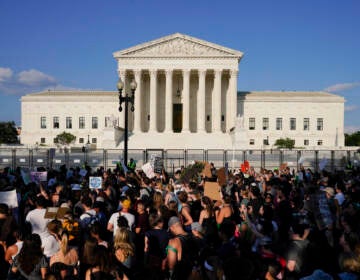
[187,97]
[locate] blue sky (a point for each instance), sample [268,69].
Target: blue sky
[287,44]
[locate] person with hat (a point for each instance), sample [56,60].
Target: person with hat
[123,211]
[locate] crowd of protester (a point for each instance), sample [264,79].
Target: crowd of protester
[266,224]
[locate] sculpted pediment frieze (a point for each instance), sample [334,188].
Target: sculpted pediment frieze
[178,45]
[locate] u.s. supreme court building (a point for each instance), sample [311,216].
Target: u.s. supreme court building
[187,97]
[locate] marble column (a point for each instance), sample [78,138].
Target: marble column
[231,121]
[122,75]
[186,100]
[216,102]
[201,102]
[168,101]
[137,101]
[153,100]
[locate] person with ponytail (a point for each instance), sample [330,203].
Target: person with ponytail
[64,262]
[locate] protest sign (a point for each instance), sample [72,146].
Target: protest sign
[212,190]
[95,182]
[148,170]
[25,174]
[83,172]
[9,198]
[38,177]
[55,212]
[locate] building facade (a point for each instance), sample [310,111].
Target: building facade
[186,97]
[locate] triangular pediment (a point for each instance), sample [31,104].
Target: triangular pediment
[178,45]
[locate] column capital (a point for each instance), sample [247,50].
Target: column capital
[137,72]
[202,71]
[153,72]
[218,71]
[169,72]
[186,71]
[122,72]
[234,72]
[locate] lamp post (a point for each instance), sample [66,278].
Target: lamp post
[127,98]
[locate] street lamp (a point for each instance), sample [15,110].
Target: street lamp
[127,98]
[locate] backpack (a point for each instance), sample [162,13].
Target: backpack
[86,224]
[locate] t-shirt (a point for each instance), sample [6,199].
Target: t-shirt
[50,244]
[129,217]
[35,274]
[36,219]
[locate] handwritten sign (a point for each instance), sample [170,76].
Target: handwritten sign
[211,189]
[148,170]
[95,182]
[38,177]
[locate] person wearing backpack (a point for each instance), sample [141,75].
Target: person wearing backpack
[180,255]
[87,218]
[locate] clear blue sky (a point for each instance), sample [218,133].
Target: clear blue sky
[288,44]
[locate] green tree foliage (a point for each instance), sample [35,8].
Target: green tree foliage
[352,139]
[65,138]
[8,133]
[286,143]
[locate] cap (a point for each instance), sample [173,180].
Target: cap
[126,204]
[196,226]
[173,220]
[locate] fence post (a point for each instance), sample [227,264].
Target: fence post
[298,156]
[244,156]
[316,167]
[185,158]
[332,161]
[281,157]
[31,158]
[348,156]
[262,161]
[165,163]
[67,158]
[224,157]
[105,159]
[206,155]
[13,159]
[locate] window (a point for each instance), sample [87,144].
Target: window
[252,142]
[68,122]
[56,123]
[278,123]
[320,142]
[292,123]
[265,123]
[306,123]
[320,124]
[207,118]
[81,140]
[81,122]
[251,123]
[306,142]
[42,140]
[94,122]
[43,122]
[93,140]
[55,141]
[266,141]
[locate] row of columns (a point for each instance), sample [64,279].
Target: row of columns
[231,100]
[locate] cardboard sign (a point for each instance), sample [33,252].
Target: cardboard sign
[207,170]
[211,189]
[95,182]
[283,166]
[55,212]
[221,175]
[9,198]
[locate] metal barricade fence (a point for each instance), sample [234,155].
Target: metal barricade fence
[176,158]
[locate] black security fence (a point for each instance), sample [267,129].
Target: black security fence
[175,158]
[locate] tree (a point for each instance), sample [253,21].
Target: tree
[8,133]
[286,143]
[64,138]
[352,139]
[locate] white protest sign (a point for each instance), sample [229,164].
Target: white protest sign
[95,182]
[301,160]
[148,170]
[9,198]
